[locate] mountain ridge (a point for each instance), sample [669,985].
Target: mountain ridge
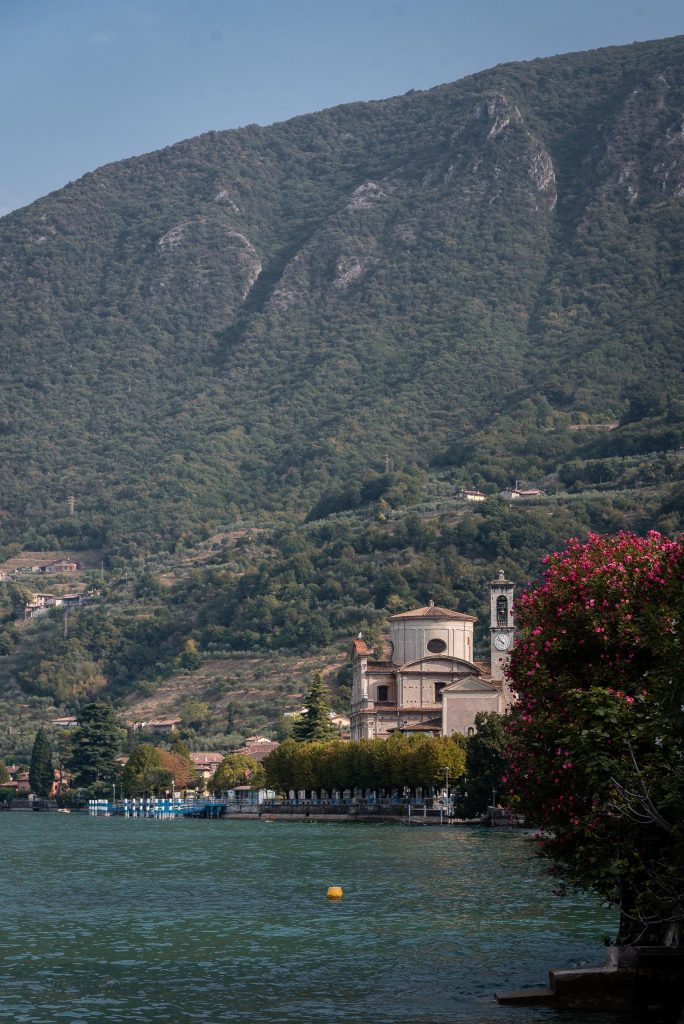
[244,320]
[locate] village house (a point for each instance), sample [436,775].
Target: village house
[471,495]
[516,492]
[60,565]
[40,604]
[205,762]
[341,722]
[257,747]
[20,785]
[18,780]
[65,722]
[165,725]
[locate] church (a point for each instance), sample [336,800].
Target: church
[429,682]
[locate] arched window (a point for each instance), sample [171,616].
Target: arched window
[471,731]
[438,692]
[502,611]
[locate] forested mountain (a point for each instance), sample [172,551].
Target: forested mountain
[307,338]
[246,322]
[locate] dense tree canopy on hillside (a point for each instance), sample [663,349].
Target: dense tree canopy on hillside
[250,321]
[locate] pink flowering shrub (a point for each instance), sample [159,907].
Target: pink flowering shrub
[600,716]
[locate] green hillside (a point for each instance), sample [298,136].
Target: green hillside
[264,363]
[247,322]
[236,627]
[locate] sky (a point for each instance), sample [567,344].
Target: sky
[86,82]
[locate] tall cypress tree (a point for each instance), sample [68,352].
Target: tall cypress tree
[315,723]
[41,772]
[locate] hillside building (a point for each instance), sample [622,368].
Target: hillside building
[515,492]
[50,568]
[257,747]
[471,495]
[429,683]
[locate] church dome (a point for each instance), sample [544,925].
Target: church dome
[430,632]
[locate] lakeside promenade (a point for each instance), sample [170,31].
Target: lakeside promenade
[298,810]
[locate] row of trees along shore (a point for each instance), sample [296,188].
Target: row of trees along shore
[392,765]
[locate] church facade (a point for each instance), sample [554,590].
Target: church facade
[429,682]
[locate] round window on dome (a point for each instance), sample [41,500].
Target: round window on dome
[436,646]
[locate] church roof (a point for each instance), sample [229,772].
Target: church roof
[469,684]
[361,647]
[429,726]
[433,611]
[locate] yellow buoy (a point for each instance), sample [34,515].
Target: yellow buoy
[335,892]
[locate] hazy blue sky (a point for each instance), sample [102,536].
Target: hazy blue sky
[85,82]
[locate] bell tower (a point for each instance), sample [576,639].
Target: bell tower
[501,632]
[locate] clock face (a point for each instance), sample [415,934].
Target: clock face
[502,641]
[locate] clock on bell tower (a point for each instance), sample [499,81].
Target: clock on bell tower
[501,630]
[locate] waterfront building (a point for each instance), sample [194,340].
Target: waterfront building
[257,747]
[205,762]
[428,682]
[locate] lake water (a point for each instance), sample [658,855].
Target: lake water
[108,920]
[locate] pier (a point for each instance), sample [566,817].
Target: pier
[156,807]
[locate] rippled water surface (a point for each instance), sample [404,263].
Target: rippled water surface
[108,920]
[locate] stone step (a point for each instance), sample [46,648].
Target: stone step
[526,997]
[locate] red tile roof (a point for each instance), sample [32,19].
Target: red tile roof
[206,757]
[360,646]
[433,611]
[258,751]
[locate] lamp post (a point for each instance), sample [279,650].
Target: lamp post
[493,802]
[446,790]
